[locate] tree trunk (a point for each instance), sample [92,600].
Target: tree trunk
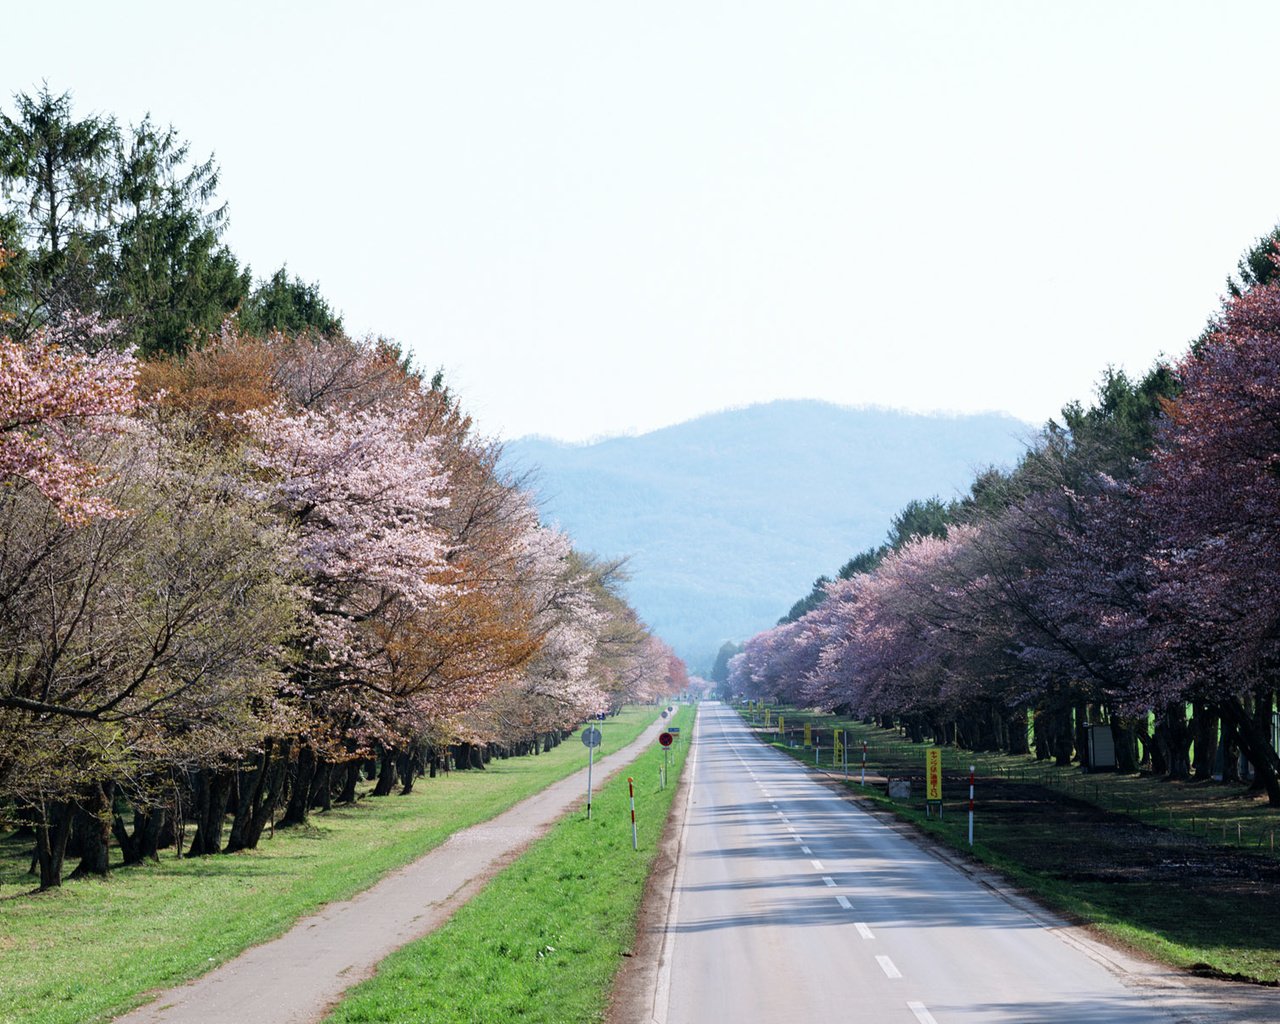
[52,830]
[387,774]
[351,778]
[1204,730]
[1173,736]
[258,798]
[93,821]
[295,813]
[1253,732]
[1040,731]
[212,790]
[1018,733]
[1126,744]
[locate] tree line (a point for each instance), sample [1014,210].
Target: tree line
[1125,574]
[246,561]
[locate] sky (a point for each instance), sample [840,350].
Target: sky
[606,217]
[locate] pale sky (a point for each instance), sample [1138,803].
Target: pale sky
[605,217]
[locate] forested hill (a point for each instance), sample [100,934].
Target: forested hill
[730,517]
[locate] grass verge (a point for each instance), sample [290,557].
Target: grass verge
[543,941]
[90,950]
[1092,848]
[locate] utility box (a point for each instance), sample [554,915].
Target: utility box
[1102,748]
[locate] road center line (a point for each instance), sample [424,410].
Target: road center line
[922,1015]
[886,965]
[817,865]
[863,930]
[844,902]
[830,882]
[805,849]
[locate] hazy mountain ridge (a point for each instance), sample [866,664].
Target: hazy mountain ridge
[730,517]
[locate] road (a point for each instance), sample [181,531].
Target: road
[790,903]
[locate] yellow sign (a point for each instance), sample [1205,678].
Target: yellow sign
[808,735]
[838,736]
[782,723]
[767,715]
[933,774]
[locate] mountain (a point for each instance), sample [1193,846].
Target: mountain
[730,517]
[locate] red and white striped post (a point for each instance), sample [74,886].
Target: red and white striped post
[970,805]
[635,842]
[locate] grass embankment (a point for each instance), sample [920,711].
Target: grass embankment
[543,941]
[88,951]
[1119,852]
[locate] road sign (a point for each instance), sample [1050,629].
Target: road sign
[933,775]
[665,738]
[591,737]
[664,714]
[674,730]
[808,735]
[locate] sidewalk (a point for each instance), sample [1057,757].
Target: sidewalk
[296,978]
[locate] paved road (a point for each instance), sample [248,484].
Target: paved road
[790,903]
[297,977]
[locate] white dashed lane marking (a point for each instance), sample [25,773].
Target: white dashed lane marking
[863,930]
[922,1015]
[844,902]
[886,965]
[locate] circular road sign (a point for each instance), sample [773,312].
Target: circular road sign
[591,737]
[665,739]
[664,714]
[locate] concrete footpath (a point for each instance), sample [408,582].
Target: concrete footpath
[298,977]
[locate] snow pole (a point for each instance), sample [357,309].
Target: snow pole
[631,788]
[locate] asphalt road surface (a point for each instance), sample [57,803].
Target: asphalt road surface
[789,903]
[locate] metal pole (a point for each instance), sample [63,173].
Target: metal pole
[591,760]
[864,762]
[631,788]
[970,805]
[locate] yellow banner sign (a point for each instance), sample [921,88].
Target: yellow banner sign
[782,723]
[933,774]
[767,715]
[838,737]
[808,735]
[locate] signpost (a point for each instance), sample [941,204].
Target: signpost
[864,762]
[768,714]
[591,737]
[808,735]
[933,780]
[666,739]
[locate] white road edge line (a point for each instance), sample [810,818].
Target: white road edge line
[662,993]
[863,930]
[922,1015]
[844,902]
[886,965]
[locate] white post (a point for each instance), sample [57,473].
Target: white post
[591,760]
[971,805]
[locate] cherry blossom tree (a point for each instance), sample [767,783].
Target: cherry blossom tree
[49,400]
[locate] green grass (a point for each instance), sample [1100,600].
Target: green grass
[543,941]
[1116,852]
[88,951]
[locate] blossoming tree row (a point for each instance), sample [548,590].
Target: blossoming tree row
[233,585]
[1126,573]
